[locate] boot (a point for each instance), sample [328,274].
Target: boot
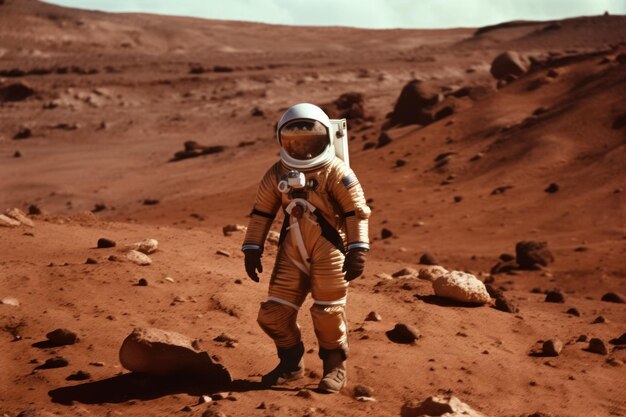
[335,376]
[290,367]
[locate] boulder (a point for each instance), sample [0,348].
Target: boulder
[428,259]
[19,216]
[15,92]
[432,273]
[138,258]
[6,221]
[461,286]
[613,297]
[444,406]
[62,337]
[160,353]
[508,64]
[531,255]
[552,347]
[229,229]
[146,246]
[415,97]
[348,106]
[104,243]
[597,346]
[403,333]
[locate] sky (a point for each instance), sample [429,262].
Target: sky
[377,14]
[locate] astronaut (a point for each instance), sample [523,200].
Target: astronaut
[322,245]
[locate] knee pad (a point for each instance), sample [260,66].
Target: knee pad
[330,326]
[279,322]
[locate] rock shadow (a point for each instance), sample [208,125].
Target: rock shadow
[445,302]
[136,386]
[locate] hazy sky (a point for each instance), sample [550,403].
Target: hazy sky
[363,13]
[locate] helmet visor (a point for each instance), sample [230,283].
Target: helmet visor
[304,139]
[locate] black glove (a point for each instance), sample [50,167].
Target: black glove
[354,264]
[253,263]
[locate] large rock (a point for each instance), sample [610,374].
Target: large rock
[415,97]
[348,106]
[509,64]
[161,353]
[138,258]
[146,246]
[15,92]
[19,216]
[6,221]
[533,255]
[443,406]
[461,286]
[432,273]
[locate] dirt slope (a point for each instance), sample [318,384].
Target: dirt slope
[116,95]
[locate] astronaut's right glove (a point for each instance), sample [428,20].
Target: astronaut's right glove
[354,264]
[253,263]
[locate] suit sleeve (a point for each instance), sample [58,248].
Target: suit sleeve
[264,211]
[347,191]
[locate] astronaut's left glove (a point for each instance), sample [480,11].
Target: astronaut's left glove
[253,264]
[354,264]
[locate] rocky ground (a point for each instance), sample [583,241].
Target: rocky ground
[132,127]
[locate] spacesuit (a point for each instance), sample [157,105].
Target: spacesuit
[322,245]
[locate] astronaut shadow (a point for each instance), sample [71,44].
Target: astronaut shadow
[444,302]
[135,386]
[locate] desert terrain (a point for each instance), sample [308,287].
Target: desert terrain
[95,111]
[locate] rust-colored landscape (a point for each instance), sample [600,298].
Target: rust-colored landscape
[134,126]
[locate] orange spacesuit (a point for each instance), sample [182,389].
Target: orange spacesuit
[322,245]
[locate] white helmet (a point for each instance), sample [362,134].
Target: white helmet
[303,134]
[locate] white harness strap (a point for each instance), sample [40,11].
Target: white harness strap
[294,227]
[283,302]
[340,302]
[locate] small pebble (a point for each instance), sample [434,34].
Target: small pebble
[142,282]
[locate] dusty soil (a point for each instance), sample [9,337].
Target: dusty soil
[117,95]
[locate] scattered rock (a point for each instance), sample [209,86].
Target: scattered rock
[363,391]
[615,362]
[458,198]
[257,112]
[56,362]
[15,92]
[386,233]
[79,376]
[193,149]
[138,258]
[142,282]
[19,216]
[6,221]
[573,311]
[146,246]
[304,393]
[403,333]
[599,320]
[10,301]
[428,259]
[555,296]
[104,243]
[229,229]
[91,261]
[597,346]
[23,133]
[552,347]
[34,210]
[373,316]
[531,255]
[506,305]
[509,63]
[224,338]
[461,286]
[17,154]
[613,297]
[405,273]
[432,273]
[552,188]
[582,338]
[400,163]
[61,337]
[415,97]
[222,253]
[159,352]
[493,291]
[383,140]
[151,202]
[444,406]
[619,340]
[212,412]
